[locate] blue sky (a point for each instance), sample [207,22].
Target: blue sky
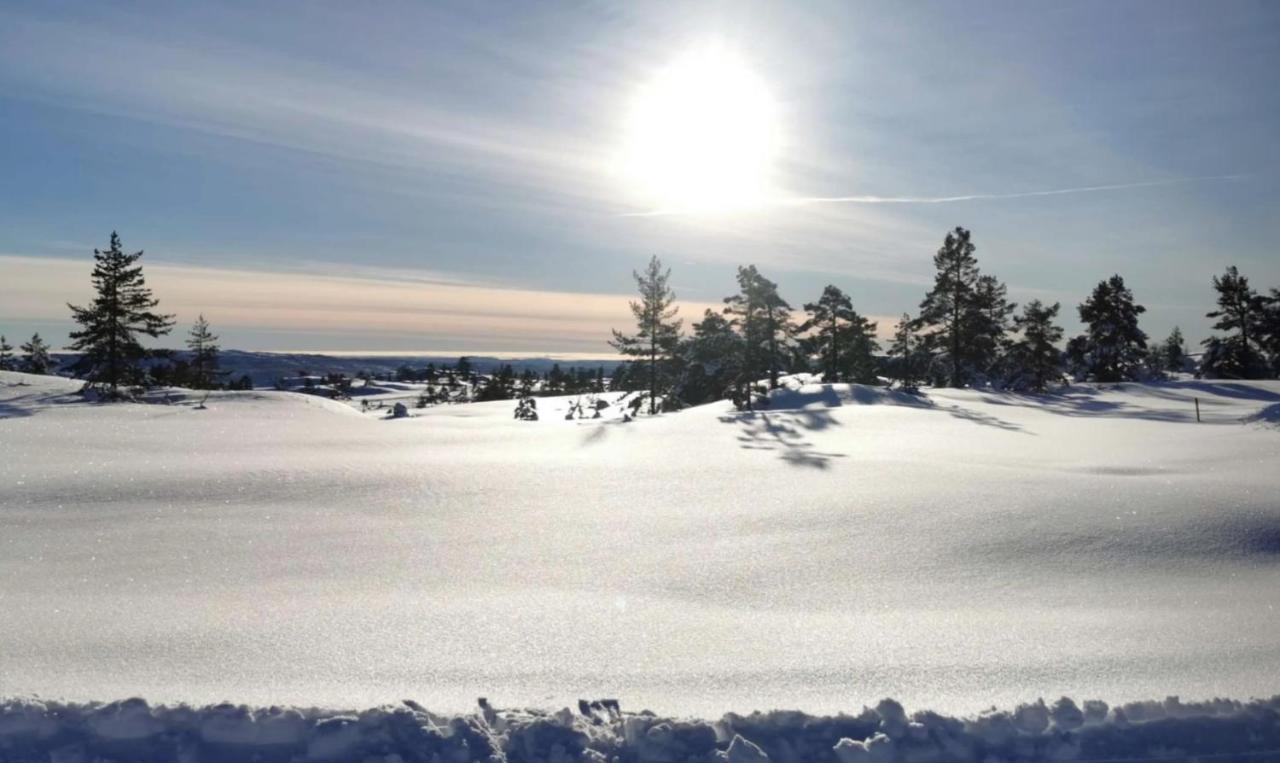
[442,176]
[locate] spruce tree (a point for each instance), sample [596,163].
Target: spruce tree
[904,353]
[1034,358]
[110,326]
[37,354]
[967,312]
[1113,348]
[1241,312]
[204,354]
[657,334]
[6,354]
[1173,353]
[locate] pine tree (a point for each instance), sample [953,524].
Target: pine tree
[830,316]
[1035,358]
[967,311]
[1270,327]
[204,354]
[845,340]
[1113,348]
[657,334]
[110,325]
[763,319]
[1241,311]
[712,357]
[904,351]
[6,354]
[860,357]
[37,352]
[992,311]
[1173,353]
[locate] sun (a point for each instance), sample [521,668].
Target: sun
[701,136]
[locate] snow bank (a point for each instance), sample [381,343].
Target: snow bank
[33,730]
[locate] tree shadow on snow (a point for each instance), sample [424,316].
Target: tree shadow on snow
[783,432]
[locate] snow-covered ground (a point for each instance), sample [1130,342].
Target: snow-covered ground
[954,550]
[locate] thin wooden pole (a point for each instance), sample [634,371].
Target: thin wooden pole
[1197,409]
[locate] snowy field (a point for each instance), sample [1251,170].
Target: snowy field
[953,551]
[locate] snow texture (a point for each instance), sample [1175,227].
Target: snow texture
[953,550]
[35,730]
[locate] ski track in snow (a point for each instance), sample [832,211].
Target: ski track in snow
[953,550]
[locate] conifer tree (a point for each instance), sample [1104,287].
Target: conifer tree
[657,334]
[110,326]
[904,353]
[830,317]
[860,356]
[763,320]
[1242,312]
[1270,338]
[204,355]
[1113,348]
[37,354]
[6,354]
[844,339]
[992,312]
[712,357]
[967,311]
[1173,353]
[1035,358]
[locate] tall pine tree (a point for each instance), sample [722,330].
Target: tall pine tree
[1241,312]
[203,345]
[6,354]
[37,355]
[1034,358]
[110,326]
[967,312]
[763,320]
[1113,348]
[657,334]
[829,318]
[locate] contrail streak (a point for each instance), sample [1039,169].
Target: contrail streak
[803,201]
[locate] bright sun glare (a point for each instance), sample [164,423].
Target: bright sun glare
[702,136]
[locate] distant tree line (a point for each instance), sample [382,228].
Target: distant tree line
[966,333]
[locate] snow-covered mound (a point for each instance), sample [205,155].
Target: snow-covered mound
[953,549]
[32,730]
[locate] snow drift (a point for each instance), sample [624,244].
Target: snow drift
[32,730]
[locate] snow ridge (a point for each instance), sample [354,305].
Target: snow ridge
[38,730]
